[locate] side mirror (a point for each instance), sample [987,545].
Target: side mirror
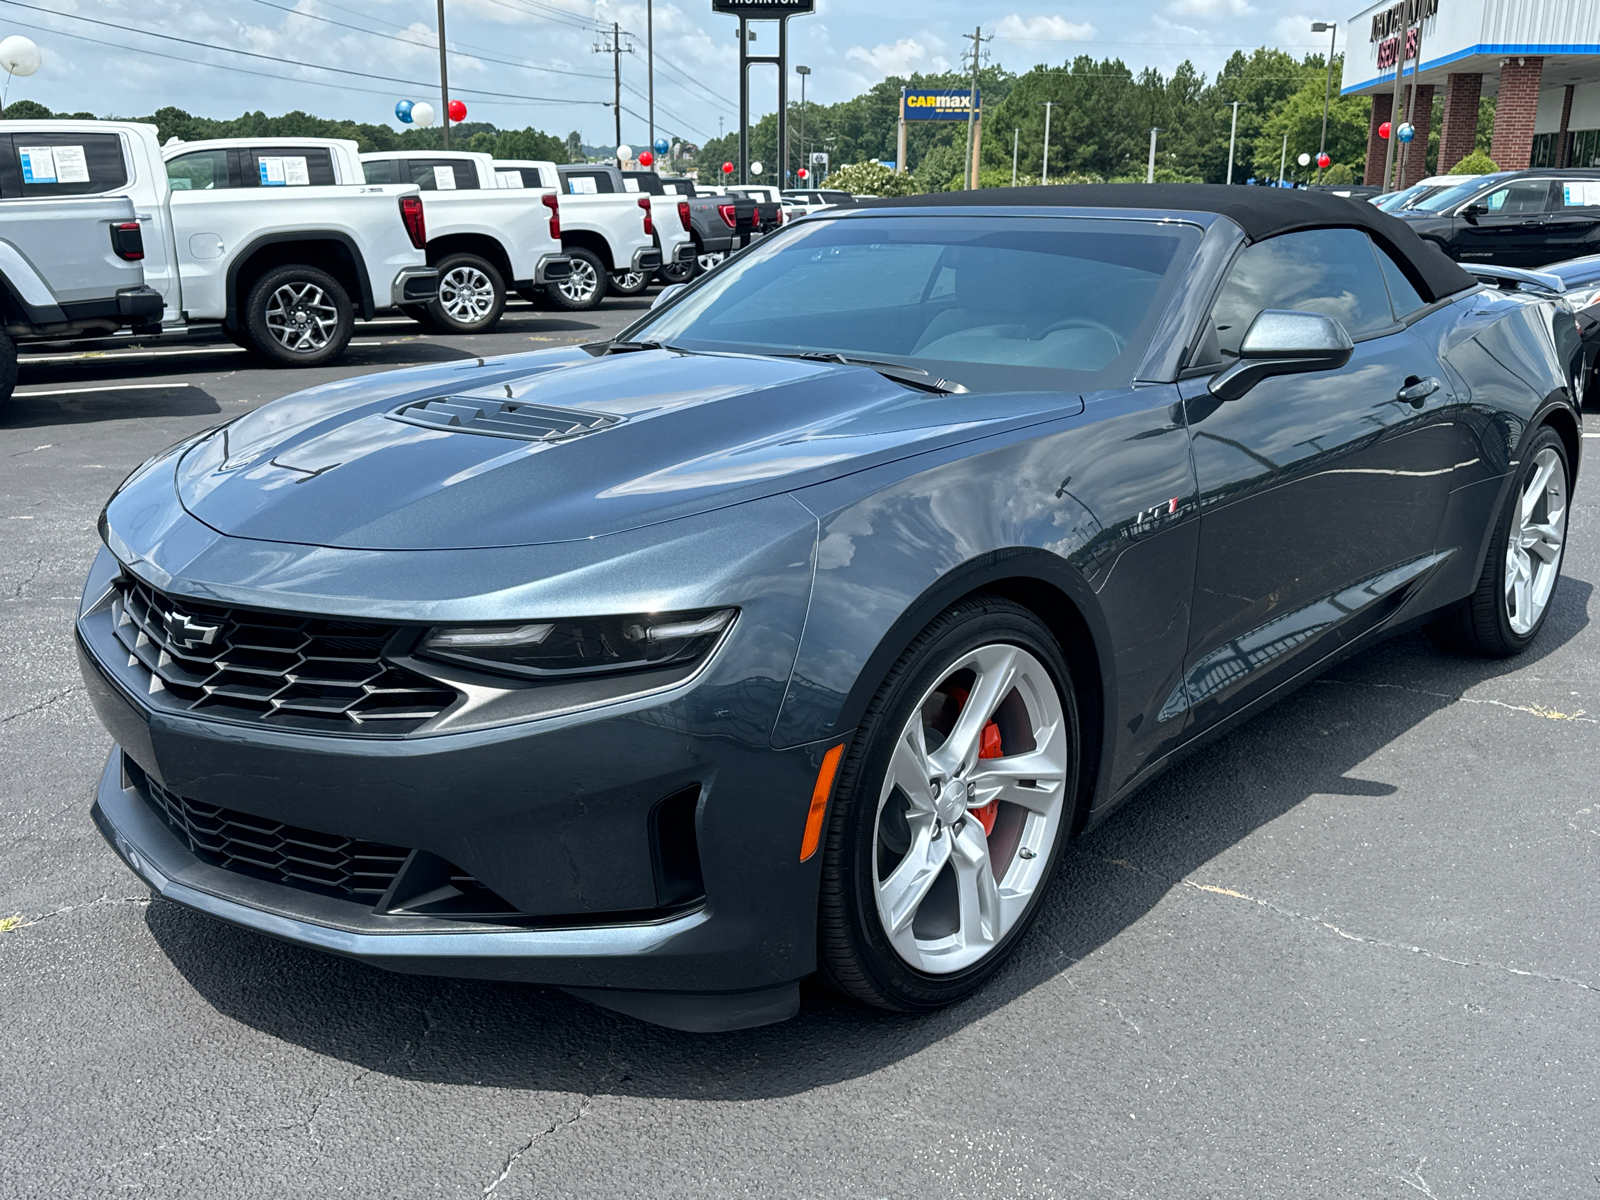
[1283,341]
[1472,212]
[672,289]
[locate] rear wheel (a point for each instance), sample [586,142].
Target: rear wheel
[584,288]
[472,295]
[951,810]
[704,262]
[630,283]
[1509,607]
[298,316]
[678,272]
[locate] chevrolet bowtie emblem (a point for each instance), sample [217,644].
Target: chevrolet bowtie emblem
[187,634]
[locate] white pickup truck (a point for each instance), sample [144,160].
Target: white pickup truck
[611,249]
[484,239]
[284,272]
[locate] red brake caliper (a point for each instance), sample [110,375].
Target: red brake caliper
[988,747]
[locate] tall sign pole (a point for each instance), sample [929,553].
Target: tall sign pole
[763,10]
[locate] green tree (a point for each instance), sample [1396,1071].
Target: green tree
[1476,163]
[872,179]
[1300,116]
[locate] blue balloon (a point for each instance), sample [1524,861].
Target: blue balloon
[1406,132]
[662,145]
[403,111]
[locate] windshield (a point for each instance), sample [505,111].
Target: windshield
[994,304]
[1399,200]
[1451,196]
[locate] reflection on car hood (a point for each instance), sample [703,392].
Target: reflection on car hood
[560,445]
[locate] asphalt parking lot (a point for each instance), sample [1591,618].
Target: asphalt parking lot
[1350,950]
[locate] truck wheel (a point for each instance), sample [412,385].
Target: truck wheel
[630,283]
[471,295]
[704,262]
[584,288]
[672,273]
[8,369]
[298,316]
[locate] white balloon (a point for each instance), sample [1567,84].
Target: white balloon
[1304,160]
[625,153]
[422,113]
[18,55]
[756,168]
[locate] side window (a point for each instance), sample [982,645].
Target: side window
[1402,295]
[202,171]
[287,166]
[443,174]
[378,171]
[1522,198]
[66,164]
[1332,271]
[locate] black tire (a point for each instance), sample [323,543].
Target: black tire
[472,295]
[420,314]
[585,288]
[672,273]
[854,948]
[308,308]
[1484,624]
[8,370]
[630,283]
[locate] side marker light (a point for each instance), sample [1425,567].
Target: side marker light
[819,802]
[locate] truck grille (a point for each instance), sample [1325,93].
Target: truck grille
[279,669]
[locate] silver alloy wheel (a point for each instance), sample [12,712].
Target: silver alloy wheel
[580,286]
[466,295]
[952,874]
[1538,533]
[301,317]
[630,281]
[707,261]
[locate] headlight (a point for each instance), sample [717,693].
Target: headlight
[565,648]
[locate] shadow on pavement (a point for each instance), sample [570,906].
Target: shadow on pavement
[23,411]
[524,1037]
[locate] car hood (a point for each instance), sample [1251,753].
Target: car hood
[560,445]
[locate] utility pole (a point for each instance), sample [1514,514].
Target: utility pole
[1327,88]
[1233,133]
[1044,175]
[650,70]
[444,81]
[614,47]
[1411,111]
[1150,171]
[1394,107]
[1283,159]
[1015,134]
[972,107]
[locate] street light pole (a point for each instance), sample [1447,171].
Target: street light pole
[1283,159]
[1232,134]
[1044,175]
[650,65]
[1327,88]
[1150,171]
[444,81]
[805,163]
[1015,134]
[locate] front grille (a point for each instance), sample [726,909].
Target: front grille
[278,669]
[503,418]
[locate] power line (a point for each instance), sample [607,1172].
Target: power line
[167,37]
[696,83]
[659,106]
[549,12]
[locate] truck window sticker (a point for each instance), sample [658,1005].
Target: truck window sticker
[281,171]
[444,178]
[296,173]
[38,164]
[630,185]
[71,165]
[582,185]
[509,179]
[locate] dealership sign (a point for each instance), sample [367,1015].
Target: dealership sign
[764,10]
[1390,21]
[939,105]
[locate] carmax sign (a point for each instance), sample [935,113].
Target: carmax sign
[938,106]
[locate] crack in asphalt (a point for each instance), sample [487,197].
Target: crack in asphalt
[511,1161]
[45,703]
[11,924]
[1538,710]
[38,566]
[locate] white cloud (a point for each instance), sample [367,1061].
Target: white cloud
[899,59]
[1210,8]
[1043,29]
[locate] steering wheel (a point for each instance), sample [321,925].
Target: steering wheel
[1082,323]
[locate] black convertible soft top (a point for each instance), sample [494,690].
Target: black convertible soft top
[1262,212]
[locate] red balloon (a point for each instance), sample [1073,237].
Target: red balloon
[1383,130]
[804,174]
[727,168]
[646,158]
[458,111]
[1323,161]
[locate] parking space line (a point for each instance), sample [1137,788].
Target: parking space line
[116,387]
[119,355]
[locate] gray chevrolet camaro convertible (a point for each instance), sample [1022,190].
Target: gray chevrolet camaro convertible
[798,628]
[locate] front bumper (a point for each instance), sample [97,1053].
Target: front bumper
[414,285]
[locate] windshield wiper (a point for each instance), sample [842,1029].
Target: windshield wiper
[600,349]
[914,377]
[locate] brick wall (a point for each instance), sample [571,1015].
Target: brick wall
[1376,146]
[1414,155]
[1458,134]
[1514,112]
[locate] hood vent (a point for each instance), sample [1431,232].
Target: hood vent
[503,418]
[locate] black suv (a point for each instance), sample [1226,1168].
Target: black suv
[1514,218]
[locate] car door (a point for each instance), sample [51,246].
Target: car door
[1320,493]
[205,226]
[1572,228]
[1510,229]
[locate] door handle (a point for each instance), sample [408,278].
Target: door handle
[1417,391]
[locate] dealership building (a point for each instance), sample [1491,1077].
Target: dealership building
[1539,58]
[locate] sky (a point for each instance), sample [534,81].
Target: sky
[533,62]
